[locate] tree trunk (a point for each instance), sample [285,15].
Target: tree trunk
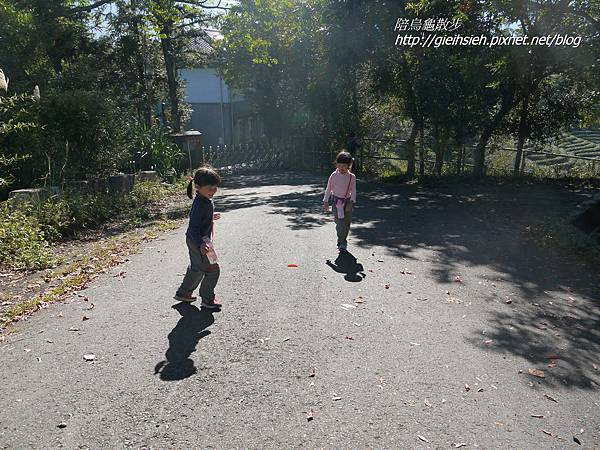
[422,153]
[439,145]
[488,131]
[522,134]
[167,48]
[410,151]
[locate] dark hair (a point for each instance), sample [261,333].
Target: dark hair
[204,176]
[343,157]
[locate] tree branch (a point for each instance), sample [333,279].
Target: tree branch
[88,8]
[202,4]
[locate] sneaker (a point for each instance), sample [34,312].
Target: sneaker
[214,304]
[187,298]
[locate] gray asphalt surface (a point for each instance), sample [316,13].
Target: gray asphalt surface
[431,358]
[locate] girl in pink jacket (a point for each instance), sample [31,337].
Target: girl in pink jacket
[341,194]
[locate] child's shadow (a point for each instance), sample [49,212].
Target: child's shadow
[346,263]
[182,342]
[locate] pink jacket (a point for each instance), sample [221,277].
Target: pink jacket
[338,185]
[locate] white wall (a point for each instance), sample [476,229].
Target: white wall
[202,86]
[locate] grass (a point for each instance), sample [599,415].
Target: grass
[564,237]
[75,276]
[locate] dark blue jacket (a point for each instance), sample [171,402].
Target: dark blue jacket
[201,219]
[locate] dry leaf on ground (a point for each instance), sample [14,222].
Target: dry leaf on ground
[536,373]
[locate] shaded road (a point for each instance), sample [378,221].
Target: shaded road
[422,338]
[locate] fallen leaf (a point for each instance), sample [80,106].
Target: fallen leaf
[387,285]
[335,399]
[508,301]
[73,329]
[39,359]
[595,366]
[427,403]
[380,260]
[286,339]
[422,438]
[458,279]
[27,350]
[350,338]
[489,341]
[548,433]
[462,444]
[414,343]
[536,373]
[370,270]
[551,366]
[310,415]
[550,398]
[292,265]
[480,390]
[537,416]
[577,441]
[89,357]
[85,318]
[62,425]
[312,373]
[347,306]
[467,387]
[359,300]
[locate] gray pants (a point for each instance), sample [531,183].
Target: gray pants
[199,272]
[342,226]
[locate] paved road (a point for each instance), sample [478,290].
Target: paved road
[431,358]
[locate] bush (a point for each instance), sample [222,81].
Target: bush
[25,232]
[154,150]
[149,191]
[22,241]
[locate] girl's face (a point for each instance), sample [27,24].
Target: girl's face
[207,191]
[343,168]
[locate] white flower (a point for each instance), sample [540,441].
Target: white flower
[36,93]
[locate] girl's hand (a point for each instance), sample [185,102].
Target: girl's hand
[216,216]
[204,249]
[326,206]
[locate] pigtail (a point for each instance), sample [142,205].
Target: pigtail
[190,188]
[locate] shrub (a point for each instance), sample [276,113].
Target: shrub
[22,241]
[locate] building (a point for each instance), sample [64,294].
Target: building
[221,114]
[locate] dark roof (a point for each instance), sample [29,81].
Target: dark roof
[203,44]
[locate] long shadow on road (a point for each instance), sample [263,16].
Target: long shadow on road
[480,228]
[182,342]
